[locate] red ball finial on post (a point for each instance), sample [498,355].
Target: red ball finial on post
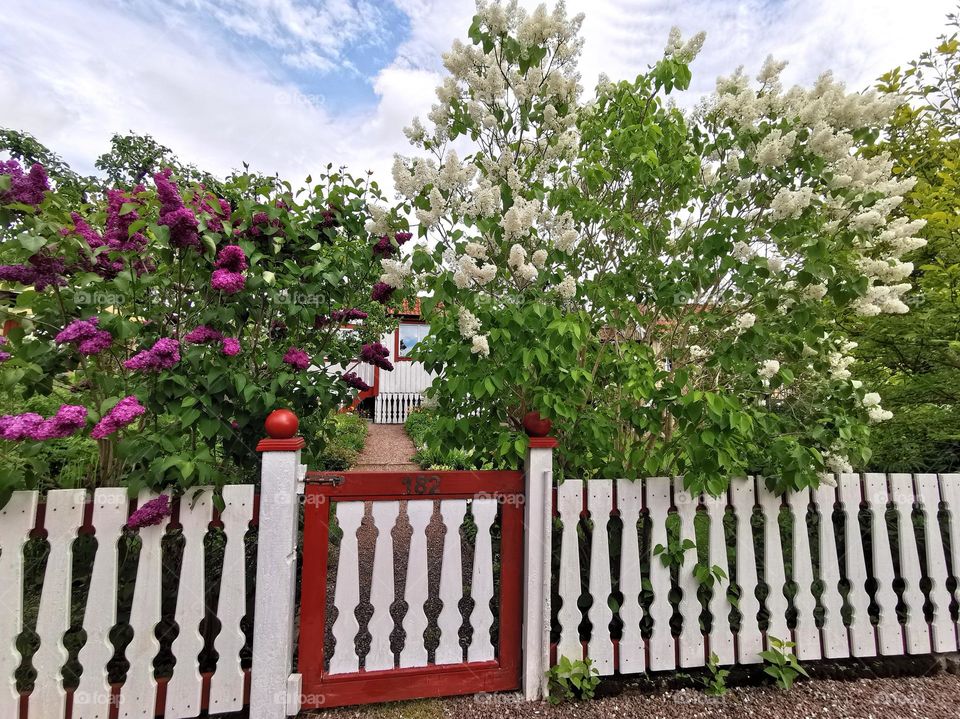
[281,426]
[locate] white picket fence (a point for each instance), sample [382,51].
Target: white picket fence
[395,407]
[64,514]
[634,634]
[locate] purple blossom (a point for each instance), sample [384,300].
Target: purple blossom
[231,258]
[376,354]
[24,189]
[42,270]
[260,222]
[354,380]
[340,316]
[297,358]
[329,217]
[402,237]
[230,346]
[17,427]
[65,423]
[215,214]
[4,356]
[384,247]
[202,334]
[382,292]
[86,336]
[150,513]
[117,235]
[122,414]
[164,354]
[173,214]
[229,282]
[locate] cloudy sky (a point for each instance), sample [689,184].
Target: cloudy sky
[290,85]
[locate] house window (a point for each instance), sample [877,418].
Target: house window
[408,335]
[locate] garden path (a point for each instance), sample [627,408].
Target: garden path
[387,449]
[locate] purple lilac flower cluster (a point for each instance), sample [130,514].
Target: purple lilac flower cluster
[24,189]
[164,354]
[228,275]
[385,247]
[202,335]
[117,238]
[122,414]
[340,316]
[42,270]
[329,217]
[260,222]
[86,336]
[376,354]
[173,214]
[354,380]
[117,234]
[297,358]
[230,346]
[382,292]
[4,356]
[67,420]
[150,513]
[214,216]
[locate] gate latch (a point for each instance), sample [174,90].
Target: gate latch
[334,481]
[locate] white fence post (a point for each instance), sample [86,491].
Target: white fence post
[274,691]
[538,472]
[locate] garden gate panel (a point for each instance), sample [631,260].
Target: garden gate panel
[411,586]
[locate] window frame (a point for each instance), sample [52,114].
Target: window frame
[396,339]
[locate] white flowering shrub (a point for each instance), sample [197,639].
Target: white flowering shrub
[668,288]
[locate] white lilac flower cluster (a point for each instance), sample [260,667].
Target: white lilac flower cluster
[469,327]
[876,413]
[395,272]
[856,193]
[768,369]
[492,94]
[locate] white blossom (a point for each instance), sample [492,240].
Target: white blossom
[480,345]
[746,320]
[743,252]
[870,399]
[879,414]
[567,289]
[768,369]
[394,272]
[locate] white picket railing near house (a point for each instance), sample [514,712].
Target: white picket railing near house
[395,407]
[62,519]
[863,622]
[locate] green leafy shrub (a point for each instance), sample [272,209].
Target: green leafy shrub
[164,319]
[715,682]
[782,663]
[341,438]
[572,680]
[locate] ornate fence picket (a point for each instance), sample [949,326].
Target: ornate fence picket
[65,513]
[811,572]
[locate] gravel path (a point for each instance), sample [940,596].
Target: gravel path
[933,697]
[387,449]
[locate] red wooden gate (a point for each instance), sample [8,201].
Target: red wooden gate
[406,527]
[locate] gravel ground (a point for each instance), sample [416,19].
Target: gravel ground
[387,449]
[914,697]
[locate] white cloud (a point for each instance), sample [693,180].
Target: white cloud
[74,74]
